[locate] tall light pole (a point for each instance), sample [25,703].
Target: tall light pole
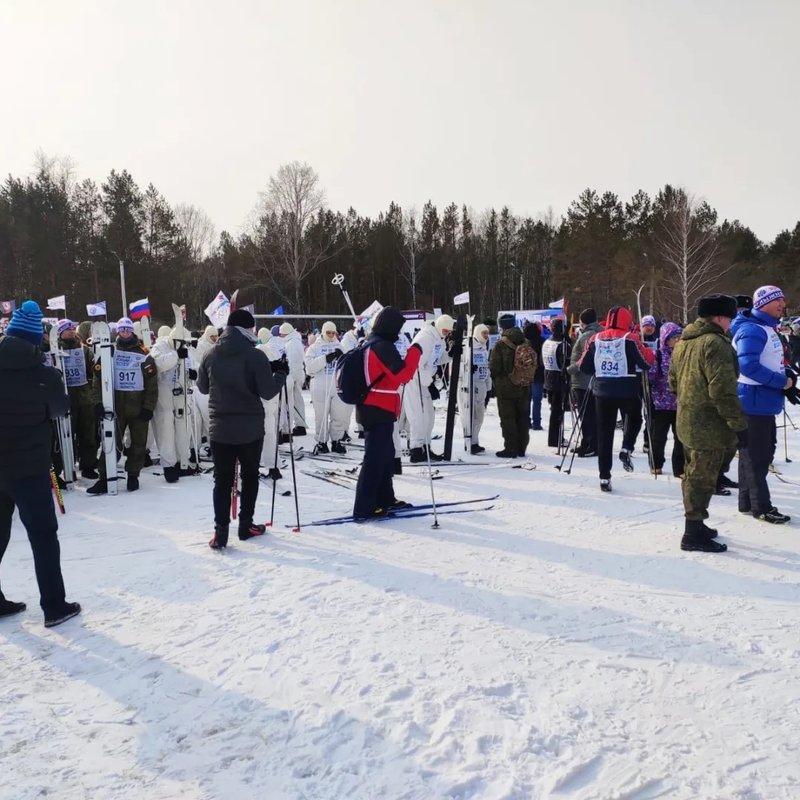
[122,284]
[518,270]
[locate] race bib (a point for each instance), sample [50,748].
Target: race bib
[438,349]
[75,367]
[610,359]
[402,345]
[480,358]
[128,376]
[550,355]
[326,349]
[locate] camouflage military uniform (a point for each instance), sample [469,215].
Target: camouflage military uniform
[703,374]
[128,407]
[512,400]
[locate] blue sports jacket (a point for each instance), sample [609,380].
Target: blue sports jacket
[765,398]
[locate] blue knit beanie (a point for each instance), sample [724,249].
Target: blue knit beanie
[27,323]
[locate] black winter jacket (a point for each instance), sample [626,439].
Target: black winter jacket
[31,395]
[237,377]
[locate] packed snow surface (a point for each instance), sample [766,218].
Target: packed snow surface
[559,645]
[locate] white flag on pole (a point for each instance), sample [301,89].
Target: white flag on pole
[556,304]
[56,303]
[96,309]
[461,299]
[371,310]
[218,310]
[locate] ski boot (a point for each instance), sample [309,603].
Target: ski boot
[250,531]
[101,487]
[220,540]
[338,447]
[625,458]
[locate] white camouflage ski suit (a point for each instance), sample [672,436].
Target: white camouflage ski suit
[273,350]
[331,415]
[204,347]
[481,383]
[295,353]
[417,401]
[171,430]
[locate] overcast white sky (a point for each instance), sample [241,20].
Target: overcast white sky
[484,102]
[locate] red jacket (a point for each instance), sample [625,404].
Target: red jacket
[386,372]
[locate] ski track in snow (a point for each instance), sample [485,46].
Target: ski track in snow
[558,646]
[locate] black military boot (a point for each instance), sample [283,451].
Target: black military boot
[695,538]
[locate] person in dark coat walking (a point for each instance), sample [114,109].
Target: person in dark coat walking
[237,377]
[31,395]
[386,372]
[555,355]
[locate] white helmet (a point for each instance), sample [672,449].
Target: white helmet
[478,331]
[445,323]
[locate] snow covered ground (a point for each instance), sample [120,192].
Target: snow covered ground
[559,645]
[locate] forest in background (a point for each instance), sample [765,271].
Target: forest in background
[63,235]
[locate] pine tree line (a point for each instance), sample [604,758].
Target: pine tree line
[59,235]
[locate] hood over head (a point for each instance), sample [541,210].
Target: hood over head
[619,318]
[668,330]
[388,323]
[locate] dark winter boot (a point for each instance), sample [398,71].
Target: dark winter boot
[625,458]
[398,504]
[298,430]
[101,487]
[148,462]
[605,484]
[712,533]
[774,517]
[320,447]
[9,607]
[250,531]
[283,438]
[220,540]
[346,437]
[67,611]
[505,454]
[338,447]
[726,482]
[171,474]
[274,473]
[133,483]
[476,449]
[416,455]
[90,474]
[695,539]
[722,491]
[398,467]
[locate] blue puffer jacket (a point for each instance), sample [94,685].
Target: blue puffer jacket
[749,340]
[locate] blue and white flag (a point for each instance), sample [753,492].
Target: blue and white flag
[278,311]
[218,310]
[96,309]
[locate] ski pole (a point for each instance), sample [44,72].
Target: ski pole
[785,440]
[578,428]
[57,492]
[235,491]
[294,474]
[428,453]
[275,462]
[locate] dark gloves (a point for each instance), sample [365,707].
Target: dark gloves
[434,391]
[192,373]
[280,365]
[474,367]
[489,396]
[743,438]
[183,351]
[98,411]
[145,415]
[333,356]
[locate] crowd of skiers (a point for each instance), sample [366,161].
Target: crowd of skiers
[716,385]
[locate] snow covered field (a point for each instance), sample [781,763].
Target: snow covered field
[560,645]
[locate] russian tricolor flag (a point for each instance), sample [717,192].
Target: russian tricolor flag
[139,309]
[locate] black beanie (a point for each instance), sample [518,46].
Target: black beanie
[744,301]
[241,319]
[717,305]
[507,321]
[588,316]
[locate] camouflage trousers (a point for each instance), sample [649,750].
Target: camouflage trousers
[700,480]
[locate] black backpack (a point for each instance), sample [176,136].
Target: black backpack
[350,375]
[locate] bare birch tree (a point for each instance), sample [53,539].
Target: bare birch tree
[408,245]
[291,202]
[197,230]
[688,243]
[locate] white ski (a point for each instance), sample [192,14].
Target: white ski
[101,337]
[63,424]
